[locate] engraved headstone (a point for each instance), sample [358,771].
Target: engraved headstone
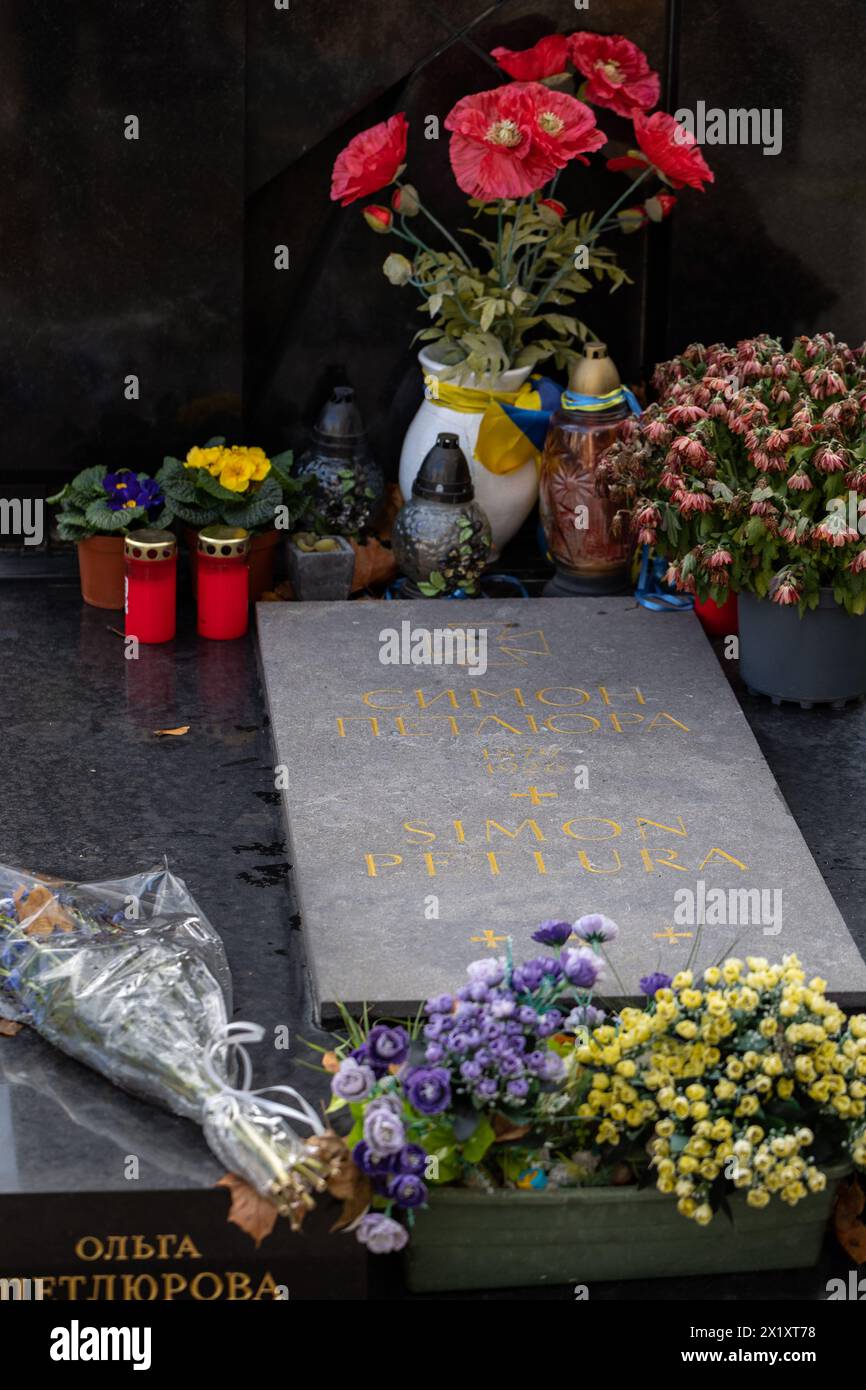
[586,756]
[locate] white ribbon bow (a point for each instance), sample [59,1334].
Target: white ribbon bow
[233,1038]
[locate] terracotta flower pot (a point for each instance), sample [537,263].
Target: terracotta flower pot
[263,551]
[718,620]
[262,558]
[101,567]
[190,535]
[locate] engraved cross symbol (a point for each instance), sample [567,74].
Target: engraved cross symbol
[535,796]
[489,938]
[670,935]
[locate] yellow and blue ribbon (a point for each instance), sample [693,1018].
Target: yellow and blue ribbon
[575,400]
[515,423]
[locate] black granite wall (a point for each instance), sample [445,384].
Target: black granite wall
[155,257]
[119,257]
[780,243]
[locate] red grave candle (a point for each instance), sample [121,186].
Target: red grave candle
[223,582]
[150,585]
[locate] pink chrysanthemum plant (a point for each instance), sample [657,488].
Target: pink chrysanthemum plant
[749,473]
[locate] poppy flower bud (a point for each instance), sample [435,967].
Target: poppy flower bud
[551,211]
[398,269]
[405,200]
[378,218]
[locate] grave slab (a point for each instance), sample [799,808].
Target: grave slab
[600,763]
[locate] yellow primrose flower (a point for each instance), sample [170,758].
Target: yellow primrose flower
[816,1179]
[260,462]
[704,1214]
[204,458]
[236,473]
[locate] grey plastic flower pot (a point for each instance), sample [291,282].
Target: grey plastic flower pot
[509,1239]
[817,659]
[319,575]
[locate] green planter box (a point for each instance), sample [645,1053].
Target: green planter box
[474,1240]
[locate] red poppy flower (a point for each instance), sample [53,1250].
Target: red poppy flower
[672,150]
[547,58]
[494,152]
[617,72]
[370,161]
[564,127]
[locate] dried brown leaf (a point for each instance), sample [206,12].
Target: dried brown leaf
[8,1029]
[253,1213]
[850,1230]
[172,733]
[42,906]
[506,1129]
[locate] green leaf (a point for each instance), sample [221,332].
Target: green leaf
[206,482]
[100,517]
[196,515]
[89,479]
[476,1147]
[258,511]
[179,487]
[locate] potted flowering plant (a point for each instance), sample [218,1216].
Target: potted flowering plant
[750,475]
[498,310]
[97,509]
[518,1127]
[236,485]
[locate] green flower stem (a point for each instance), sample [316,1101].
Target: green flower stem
[518,211]
[499,245]
[447,235]
[587,240]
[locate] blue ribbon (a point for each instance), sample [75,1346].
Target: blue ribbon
[651,590]
[575,400]
[534,423]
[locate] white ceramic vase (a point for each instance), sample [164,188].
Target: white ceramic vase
[508,498]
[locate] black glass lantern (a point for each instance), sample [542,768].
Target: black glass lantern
[441,537]
[349,484]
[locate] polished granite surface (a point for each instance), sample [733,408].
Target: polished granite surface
[89,790]
[94,794]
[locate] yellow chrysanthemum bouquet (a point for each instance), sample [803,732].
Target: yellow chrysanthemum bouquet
[235,484]
[745,1076]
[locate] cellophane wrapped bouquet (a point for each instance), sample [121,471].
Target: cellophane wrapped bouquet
[129,977]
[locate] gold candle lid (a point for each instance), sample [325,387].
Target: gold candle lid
[594,374]
[223,541]
[150,544]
